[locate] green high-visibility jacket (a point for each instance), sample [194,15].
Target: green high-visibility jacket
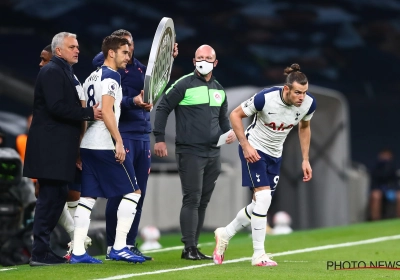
[201,114]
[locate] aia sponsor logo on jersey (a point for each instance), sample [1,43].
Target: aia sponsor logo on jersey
[282,127]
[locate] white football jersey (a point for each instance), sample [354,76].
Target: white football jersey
[274,119]
[103,81]
[79,88]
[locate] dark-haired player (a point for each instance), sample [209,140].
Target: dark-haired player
[277,110]
[104,173]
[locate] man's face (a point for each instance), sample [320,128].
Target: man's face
[207,54]
[295,95]
[122,57]
[131,47]
[45,57]
[69,50]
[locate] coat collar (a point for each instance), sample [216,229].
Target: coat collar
[68,70]
[62,63]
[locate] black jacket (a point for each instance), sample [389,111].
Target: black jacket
[53,138]
[200,113]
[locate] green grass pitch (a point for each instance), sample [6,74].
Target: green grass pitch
[292,264]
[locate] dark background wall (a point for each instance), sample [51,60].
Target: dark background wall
[349,45]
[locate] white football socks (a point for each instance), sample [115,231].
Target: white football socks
[126,214]
[67,222]
[242,220]
[259,221]
[72,205]
[82,222]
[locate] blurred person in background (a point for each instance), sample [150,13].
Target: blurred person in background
[385,186]
[135,128]
[20,141]
[45,56]
[2,139]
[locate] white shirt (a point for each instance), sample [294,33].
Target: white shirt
[274,119]
[103,81]
[79,88]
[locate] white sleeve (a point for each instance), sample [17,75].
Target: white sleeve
[109,87]
[311,111]
[308,117]
[81,93]
[249,107]
[79,89]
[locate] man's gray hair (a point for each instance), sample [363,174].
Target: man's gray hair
[58,40]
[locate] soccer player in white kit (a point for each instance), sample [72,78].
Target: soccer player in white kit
[277,110]
[104,173]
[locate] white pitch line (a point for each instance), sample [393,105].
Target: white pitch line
[5,269]
[305,250]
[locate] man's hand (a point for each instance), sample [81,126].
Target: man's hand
[307,171]
[231,138]
[160,149]
[250,154]
[79,163]
[175,53]
[97,112]
[138,101]
[119,152]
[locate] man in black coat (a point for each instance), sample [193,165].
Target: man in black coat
[53,141]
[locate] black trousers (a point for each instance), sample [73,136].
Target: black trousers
[49,206]
[198,177]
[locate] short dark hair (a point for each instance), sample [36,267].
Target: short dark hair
[113,42]
[122,33]
[293,74]
[47,48]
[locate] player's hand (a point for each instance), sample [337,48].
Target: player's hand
[119,152]
[160,149]
[175,53]
[250,154]
[231,138]
[97,112]
[79,163]
[138,100]
[307,171]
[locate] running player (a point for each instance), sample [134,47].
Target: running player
[277,110]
